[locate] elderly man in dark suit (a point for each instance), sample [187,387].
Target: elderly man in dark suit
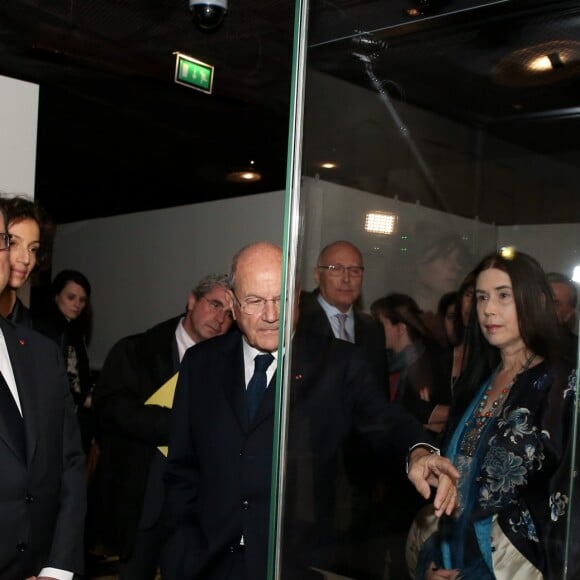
[132,403]
[219,469]
[42,486]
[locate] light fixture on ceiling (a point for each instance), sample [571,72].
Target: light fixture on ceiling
[329,165]
[248,174]
[381,222]
[539,64]
[425,7]
[550,61]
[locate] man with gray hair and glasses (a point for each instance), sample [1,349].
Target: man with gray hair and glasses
[333,307]
[132,402]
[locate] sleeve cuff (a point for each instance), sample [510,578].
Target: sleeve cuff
[431,448]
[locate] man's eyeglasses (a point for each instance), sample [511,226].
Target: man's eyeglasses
[217,306]
[337,270]
[4,241]
[255,305]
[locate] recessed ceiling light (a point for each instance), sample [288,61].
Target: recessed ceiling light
[246,175]
[538,64]
[329,165]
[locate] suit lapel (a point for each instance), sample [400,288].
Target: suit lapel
[18,351]
[230,374]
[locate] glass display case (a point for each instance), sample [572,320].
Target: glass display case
[426,134]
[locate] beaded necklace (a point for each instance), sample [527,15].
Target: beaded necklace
[480,418]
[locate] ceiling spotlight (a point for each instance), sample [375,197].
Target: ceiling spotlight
[425,7]
[208,14]
[247,175]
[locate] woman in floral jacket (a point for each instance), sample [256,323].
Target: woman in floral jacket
[510,435]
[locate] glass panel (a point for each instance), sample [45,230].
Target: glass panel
[434,133]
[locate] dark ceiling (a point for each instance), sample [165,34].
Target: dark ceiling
[117,134]
[465,61]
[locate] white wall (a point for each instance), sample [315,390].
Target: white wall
[18,122]
[333,212]
[555,246]
[142,265]
[18,132]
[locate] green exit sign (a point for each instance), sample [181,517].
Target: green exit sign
[193,73]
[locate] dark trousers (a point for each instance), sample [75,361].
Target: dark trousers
[144,561]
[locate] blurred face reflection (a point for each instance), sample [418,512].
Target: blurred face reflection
[440,271]
[340,291]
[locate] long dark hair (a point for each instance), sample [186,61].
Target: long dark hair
[538,324]
[402,308]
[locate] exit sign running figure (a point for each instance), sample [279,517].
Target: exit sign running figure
[193,73]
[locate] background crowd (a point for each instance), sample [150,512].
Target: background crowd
[476,362]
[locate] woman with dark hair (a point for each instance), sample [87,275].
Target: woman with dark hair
[418,383]
[28,226]
[417,378]
[67,320]
[510,435]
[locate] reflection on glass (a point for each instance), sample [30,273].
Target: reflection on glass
[446,128]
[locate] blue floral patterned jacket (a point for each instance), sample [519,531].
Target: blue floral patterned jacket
[518,477]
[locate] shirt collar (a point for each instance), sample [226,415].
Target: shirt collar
[332,310]
[184,341]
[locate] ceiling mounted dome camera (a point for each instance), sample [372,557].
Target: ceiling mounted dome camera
[208,14]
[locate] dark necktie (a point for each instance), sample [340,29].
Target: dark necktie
[258,383]
[342,332]
[12,417]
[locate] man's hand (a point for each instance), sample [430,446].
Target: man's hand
[429,469]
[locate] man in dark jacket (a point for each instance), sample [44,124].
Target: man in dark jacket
[333,309]
[42,487]
[219,469]
[132,403]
